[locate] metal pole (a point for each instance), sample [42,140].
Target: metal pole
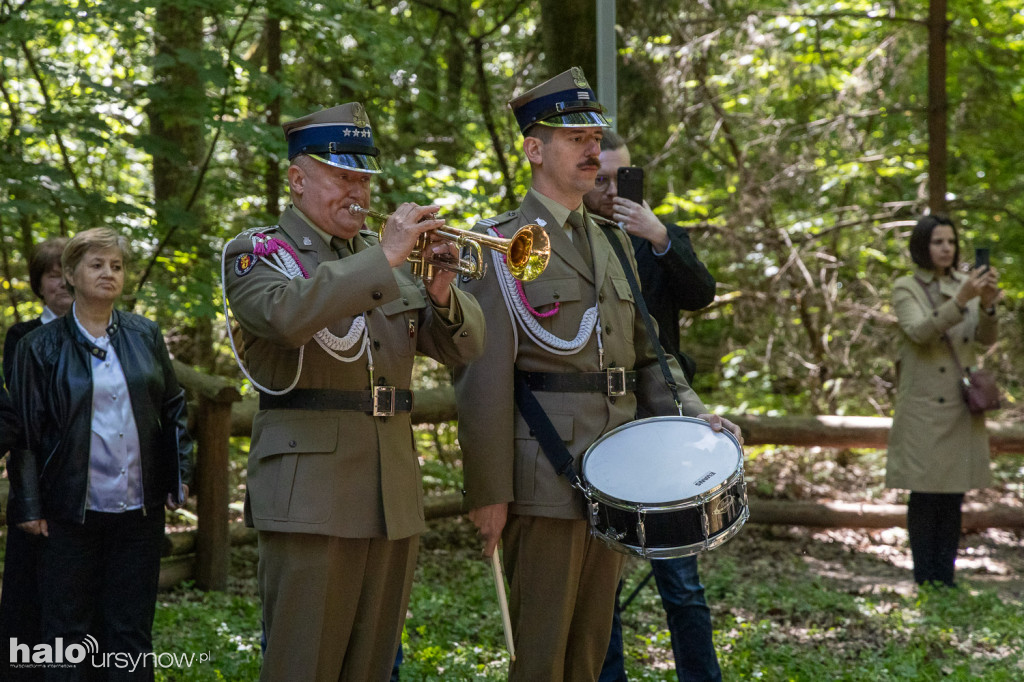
[607,92]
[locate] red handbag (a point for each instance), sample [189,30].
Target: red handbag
[979,390]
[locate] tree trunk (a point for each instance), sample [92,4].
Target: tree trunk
[176,113]
[177,102]
[938,105]
[569,34]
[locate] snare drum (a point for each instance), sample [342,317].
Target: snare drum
[665,487]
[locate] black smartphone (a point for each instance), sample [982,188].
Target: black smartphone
[981,257]
[630,182]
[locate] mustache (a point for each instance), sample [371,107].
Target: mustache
[591,162]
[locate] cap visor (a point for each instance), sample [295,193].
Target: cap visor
[577,119]
[360,163]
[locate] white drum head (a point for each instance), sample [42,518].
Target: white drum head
[661,460]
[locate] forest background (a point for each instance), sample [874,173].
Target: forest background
[798,141]
[791,137]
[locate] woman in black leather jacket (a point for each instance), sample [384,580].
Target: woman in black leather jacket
[104,449]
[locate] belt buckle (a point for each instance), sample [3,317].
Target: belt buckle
[383,401]
[616,381]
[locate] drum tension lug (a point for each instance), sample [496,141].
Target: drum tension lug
[641,531]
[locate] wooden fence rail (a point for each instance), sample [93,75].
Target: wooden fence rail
[434,405]
[220,413]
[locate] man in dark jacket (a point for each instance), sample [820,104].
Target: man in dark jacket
[672,279]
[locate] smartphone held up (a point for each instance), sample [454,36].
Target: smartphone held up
[981,258]
[630,183]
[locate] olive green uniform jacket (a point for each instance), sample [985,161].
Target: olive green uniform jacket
[339,473]
[935,444]
[502,461]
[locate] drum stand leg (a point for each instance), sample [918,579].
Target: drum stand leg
[636,591]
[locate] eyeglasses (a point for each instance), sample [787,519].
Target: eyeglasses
[601,182]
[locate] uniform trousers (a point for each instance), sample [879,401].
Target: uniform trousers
[562,595]
[333,607]
[933,527]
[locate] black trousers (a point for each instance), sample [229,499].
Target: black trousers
[933,524]
[19,602]
[100,579]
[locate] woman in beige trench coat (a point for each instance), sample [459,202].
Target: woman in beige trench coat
[937,448]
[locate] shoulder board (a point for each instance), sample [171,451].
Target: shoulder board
[498,220]
[253,230]
[601,220]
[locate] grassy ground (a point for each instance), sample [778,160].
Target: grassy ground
[787,603]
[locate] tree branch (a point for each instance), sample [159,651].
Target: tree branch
[485,109]
[65,157]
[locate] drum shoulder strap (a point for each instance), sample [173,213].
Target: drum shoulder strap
[638,298]
[547,436]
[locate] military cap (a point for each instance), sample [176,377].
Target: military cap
[340,136]
[565,101]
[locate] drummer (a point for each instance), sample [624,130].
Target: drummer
[575,341]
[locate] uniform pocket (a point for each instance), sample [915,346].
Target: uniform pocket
[403,315]
[536,481]
[290,466]
[620,321]
[545,293]
[622,289]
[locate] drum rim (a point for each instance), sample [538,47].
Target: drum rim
[668,505]
[670,417]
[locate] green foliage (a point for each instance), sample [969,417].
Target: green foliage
[792,138]
[223,627]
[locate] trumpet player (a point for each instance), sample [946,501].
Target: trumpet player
[576,339]
[330,323]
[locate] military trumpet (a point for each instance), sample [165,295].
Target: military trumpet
[526,252]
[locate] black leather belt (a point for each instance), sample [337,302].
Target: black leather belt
[614,381]
[382,401]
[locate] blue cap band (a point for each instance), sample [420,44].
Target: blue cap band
[336,138]
[562,103]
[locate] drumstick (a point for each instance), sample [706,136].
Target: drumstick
[506,621]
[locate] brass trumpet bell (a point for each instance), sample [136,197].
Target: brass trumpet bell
[526,252]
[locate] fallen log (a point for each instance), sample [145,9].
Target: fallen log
[178,564]
[851,432]
[176,570]
[806,513]
[862,515]
[184,542]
